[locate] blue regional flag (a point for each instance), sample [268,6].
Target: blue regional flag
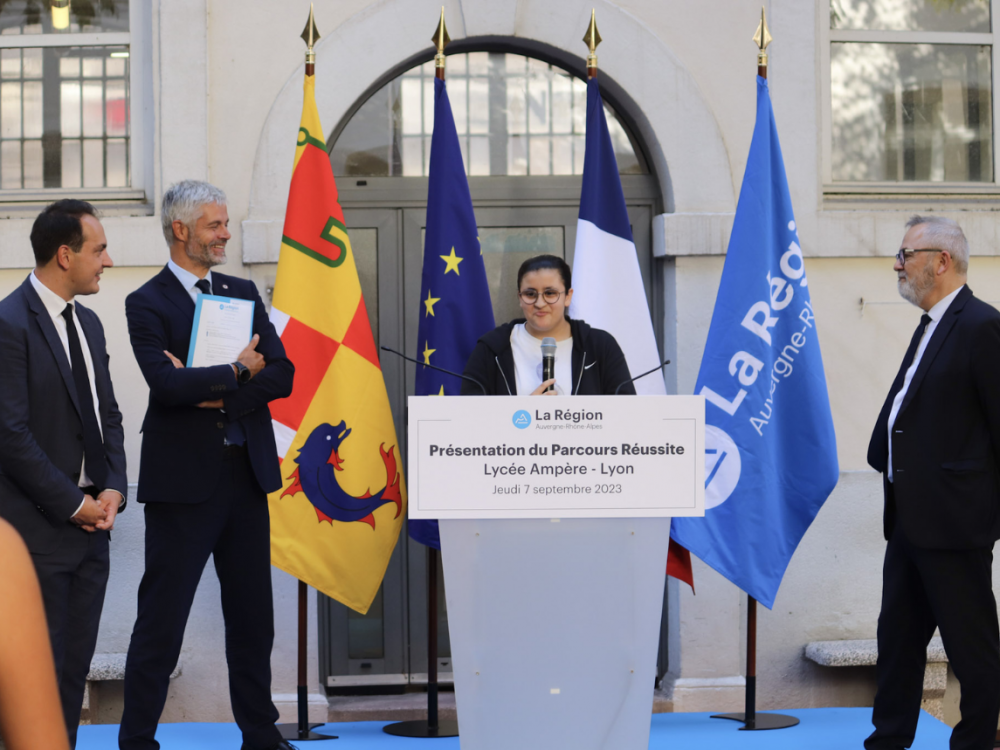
[455,308]
[771,453]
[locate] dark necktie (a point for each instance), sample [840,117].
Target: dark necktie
[911,352]
[234,430]
[918,334]
[93,445]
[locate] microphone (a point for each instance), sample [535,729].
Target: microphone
[648,372]
[439,369]
[548,359]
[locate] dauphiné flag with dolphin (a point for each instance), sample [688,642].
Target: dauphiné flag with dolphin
[771,453]
[607,284]
[336,519]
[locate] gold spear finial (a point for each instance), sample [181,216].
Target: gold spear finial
[441,40]
[592,38]
[310,35]
[762,38]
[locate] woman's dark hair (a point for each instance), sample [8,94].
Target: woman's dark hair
[546,261]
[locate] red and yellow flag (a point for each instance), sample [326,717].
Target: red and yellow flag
[337,517]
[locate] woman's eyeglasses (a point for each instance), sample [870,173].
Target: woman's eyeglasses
[530,296]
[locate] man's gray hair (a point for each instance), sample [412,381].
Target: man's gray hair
[182,202]
[945,234]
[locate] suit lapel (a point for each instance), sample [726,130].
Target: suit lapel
[944,327]
[176,293]
[87,323]
[52,339]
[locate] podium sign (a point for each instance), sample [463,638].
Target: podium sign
[550,457]
[555,522]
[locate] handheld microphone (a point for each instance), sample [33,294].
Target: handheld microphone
[648,372]
[548,359]
[433,367]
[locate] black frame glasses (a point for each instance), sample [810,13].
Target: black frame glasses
[530,296]
[905,253]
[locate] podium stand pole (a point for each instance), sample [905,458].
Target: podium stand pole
[302,731]
[753,721]
[432,727]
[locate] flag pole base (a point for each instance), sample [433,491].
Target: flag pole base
[294,732]
[422,728]
[761,721]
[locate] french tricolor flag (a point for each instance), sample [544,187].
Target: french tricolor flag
[607,284]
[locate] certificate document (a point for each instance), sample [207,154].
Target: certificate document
[222,328]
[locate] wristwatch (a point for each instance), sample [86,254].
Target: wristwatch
[243,373]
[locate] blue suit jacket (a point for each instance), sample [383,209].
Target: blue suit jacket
[182,444]
[41,432]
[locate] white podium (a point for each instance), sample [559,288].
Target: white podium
[554,579]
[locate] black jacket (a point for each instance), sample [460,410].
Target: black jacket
[599,365]
[946,438]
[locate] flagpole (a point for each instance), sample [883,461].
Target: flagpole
[302,730]
[751,720]
[432,727]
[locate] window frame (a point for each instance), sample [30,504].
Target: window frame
[140,166]
[830,36]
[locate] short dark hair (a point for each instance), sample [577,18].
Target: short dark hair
[546,261]
[58,225]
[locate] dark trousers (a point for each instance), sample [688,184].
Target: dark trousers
[233,527]
[73,580]
[952,590]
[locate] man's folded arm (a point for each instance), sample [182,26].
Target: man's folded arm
[271,383]
[171,386]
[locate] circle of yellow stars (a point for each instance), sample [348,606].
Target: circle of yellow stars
[451,262]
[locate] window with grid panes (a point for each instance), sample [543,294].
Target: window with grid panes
[515,115]
[64,94]
[911,95]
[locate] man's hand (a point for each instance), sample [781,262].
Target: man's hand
[90,515]
[253,360]
[110,501]
[177,363]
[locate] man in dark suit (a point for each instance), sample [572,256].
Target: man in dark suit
[62,455]
[208,461]
[937,445]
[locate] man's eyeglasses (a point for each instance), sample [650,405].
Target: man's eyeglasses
[530,296]
[905,253]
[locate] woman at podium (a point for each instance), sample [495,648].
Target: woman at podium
[509,360]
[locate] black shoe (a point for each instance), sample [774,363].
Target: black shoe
[282,745]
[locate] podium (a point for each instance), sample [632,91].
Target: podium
[554,578]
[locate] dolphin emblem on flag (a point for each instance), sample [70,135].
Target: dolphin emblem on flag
[316,476]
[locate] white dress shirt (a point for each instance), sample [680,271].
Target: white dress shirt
[54,306]
[936,313]
[188,280]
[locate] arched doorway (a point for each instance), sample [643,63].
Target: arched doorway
[521,123]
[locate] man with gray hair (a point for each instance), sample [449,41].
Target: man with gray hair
[208,461]
[937,445]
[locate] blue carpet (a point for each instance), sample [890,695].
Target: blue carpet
[820,729]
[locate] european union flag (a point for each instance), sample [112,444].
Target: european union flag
[771,453]
[455,308]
